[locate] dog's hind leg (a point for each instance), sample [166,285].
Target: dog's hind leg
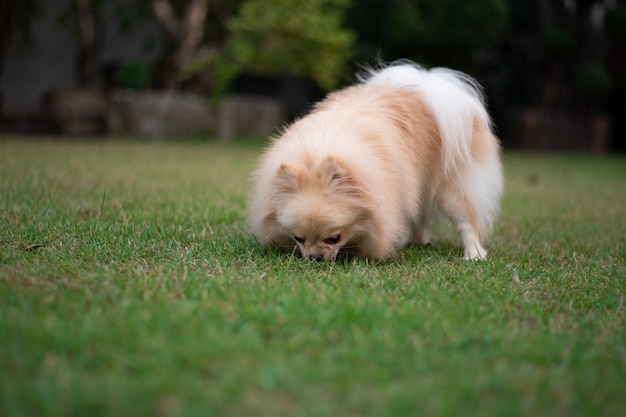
[463,215]
[472,249]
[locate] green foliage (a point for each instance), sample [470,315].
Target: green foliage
[134,74]
[556,57]
[287,37]
[129,286]
[593,80]
[444,32]
[196,65]
[615,22]
[559,43]
[460,29]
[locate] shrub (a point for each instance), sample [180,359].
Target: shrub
[292,37]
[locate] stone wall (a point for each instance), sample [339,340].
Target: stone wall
[172,113]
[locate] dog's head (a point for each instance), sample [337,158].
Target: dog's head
[321,207]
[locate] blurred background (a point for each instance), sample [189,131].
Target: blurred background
[554,71]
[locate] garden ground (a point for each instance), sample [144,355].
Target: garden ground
[130,286]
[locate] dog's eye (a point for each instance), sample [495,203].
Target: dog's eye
[298,239]
[333,240]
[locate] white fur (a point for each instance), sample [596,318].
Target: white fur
[454,98]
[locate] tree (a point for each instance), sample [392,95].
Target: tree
[186,33]
[433,32]
[288,37]
[88,54]
[86,21]
[557,54]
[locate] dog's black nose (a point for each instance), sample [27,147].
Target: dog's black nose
[317,257]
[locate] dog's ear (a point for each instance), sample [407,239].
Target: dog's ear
[288,178]
[335,175]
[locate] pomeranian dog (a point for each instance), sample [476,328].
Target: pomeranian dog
[367,170]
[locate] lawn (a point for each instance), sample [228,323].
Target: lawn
[129,286]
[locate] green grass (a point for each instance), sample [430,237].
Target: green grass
[129,286]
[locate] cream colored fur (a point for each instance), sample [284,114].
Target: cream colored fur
[368,168]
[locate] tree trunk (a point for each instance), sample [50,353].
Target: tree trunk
[186,33]
[88,62]
[193,31]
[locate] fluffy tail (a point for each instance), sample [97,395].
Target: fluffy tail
[455,99]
